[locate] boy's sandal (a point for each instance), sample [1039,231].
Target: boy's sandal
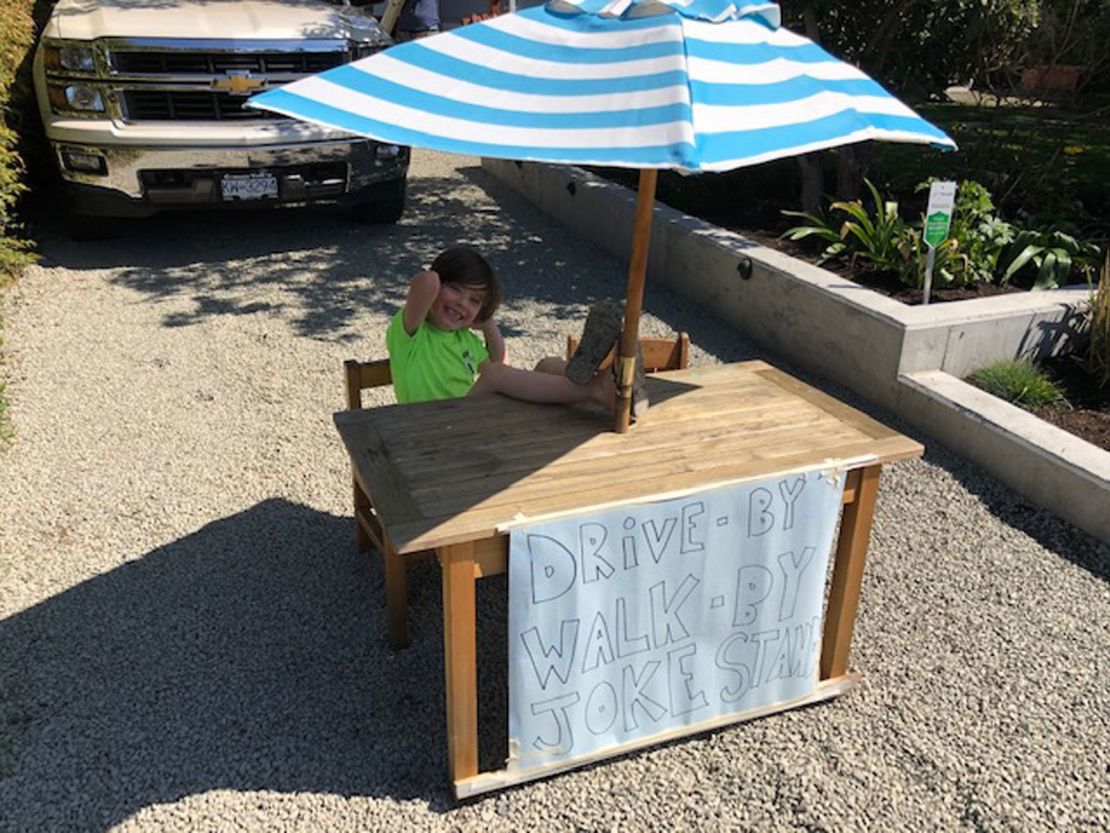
[603,328]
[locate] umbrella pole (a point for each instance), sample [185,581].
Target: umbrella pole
[637,269]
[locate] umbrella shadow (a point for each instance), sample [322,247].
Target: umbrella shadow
[245,656]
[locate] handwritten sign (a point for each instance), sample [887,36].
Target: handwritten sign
[634,621]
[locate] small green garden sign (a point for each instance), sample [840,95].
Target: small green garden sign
[936,228]
[938,216]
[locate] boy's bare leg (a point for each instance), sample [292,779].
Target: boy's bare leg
[532,386]
[551,364]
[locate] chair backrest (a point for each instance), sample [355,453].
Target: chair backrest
[659,353]
[363,375]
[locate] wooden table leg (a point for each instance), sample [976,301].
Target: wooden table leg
[460,660]
[362,502]
[851,552]
[396,594]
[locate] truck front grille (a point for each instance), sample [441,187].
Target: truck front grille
[218,63]
[171,105]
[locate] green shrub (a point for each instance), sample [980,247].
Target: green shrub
[981,246]
[1053,254]
[950,265]
[980,234]
[1018,381]
[18,27]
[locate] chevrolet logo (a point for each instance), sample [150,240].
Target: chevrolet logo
[238,82]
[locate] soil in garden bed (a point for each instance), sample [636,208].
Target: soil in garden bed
[1089,414]
[882,282]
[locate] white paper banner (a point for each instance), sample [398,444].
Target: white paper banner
[638,620]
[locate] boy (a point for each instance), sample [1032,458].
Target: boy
[434,354]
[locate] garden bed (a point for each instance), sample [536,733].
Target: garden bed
[1087,412]
[1049,183]
[881,282]
[704,200]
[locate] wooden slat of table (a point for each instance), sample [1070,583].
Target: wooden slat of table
[480,522]
[588,441]
[456,470]
[532,458]
[582,475]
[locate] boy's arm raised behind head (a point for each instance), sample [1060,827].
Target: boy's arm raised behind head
[423,289]
[495,342]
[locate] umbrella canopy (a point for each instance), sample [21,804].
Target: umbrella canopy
[658,87]
[692,85]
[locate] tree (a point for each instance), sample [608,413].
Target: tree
[915,48]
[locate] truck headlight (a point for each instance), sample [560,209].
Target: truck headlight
[79,97]
[70,56]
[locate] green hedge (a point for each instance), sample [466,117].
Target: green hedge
[17,24]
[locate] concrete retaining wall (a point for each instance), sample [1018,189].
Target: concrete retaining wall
[1057,469]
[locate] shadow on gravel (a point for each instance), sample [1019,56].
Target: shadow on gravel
[250,655]
[315,267]
[320,271]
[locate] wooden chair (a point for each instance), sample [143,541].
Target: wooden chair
[368,530]
[659,353]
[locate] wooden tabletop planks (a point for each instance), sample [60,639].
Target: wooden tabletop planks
[456,470]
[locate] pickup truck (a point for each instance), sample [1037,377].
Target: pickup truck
[142,104]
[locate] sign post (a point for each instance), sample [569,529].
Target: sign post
[938,219]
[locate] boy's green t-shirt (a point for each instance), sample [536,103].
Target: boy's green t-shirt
[432,363]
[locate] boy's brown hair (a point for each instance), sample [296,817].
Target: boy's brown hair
[464,266]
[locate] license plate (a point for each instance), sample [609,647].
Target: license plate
[249,187]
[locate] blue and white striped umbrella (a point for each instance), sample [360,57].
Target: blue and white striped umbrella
[702,85]
[692,85]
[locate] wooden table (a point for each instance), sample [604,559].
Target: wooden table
[452,475]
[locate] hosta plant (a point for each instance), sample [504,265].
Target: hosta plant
[1052,254]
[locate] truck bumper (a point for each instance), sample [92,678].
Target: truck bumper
[129,181]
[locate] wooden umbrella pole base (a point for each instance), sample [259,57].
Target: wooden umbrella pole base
[637,270]
[624,394]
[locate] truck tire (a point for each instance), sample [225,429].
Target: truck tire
[387,209]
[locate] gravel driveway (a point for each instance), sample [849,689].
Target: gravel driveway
[189,640]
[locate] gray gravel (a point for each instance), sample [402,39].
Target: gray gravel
[189,640]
